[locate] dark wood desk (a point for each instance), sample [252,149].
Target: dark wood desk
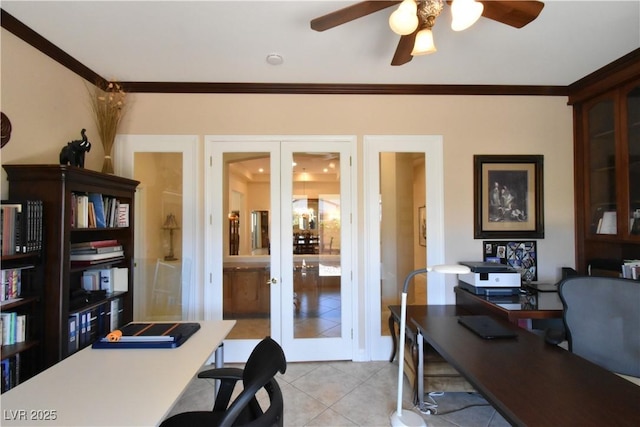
[515,308]
[531,382]
[417,311]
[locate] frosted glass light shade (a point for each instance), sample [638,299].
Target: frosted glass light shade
[424,43]
[465,13]
[404,20]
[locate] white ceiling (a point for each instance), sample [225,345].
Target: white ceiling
[228,41]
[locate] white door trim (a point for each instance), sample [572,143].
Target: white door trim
[213,189]
[124,151]
[432,145]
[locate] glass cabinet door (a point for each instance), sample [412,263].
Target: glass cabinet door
[601,172]
[633,140]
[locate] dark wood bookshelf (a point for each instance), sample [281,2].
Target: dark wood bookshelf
[55,185]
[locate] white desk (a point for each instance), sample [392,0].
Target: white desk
[127,387]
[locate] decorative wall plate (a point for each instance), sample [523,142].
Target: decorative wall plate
[6,129]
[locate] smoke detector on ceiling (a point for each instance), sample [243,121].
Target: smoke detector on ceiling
[274,59]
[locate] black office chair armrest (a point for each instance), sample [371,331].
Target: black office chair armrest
[222,374]
[554,336]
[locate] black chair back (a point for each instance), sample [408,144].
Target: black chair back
[602,321]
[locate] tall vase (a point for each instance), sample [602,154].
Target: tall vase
[107,164]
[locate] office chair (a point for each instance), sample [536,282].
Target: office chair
[601,317]
[266,359]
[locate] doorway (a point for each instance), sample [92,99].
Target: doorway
[166,218]
[278,251]
[404,222]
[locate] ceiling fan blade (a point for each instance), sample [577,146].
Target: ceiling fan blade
[403,51]
[349,13]
[514,13]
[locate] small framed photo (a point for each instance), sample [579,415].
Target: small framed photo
[508,199]
[422,226]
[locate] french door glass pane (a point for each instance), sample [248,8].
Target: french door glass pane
[402,229]
[247,260]
[162,268]
[315,228]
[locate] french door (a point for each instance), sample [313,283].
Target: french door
[278,243]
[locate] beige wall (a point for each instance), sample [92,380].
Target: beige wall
[47,106]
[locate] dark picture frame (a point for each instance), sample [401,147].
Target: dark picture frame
[422,226]
[508,196]
[521,255]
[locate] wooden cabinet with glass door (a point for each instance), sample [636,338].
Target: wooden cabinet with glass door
[608,179]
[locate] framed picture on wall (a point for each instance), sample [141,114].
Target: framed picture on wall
[520,255]
[508,199]
[422,226]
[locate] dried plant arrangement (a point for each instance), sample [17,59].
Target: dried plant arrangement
[108,107]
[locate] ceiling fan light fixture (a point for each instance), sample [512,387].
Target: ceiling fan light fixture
[404,20]
[424,43]
[465,13]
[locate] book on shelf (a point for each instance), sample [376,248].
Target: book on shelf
[631,269]
[81,215]
[97,256]
[94,210]
[110,211]
[14,328]
[120,279]
[98,207]
[11,284]
[608,223]
[116,313]
[110,280]
[94,244]
[73,332]
[91,280]
[10,372]
[92,216]
[90,263]
[21,229]
[123,215]
[98,250]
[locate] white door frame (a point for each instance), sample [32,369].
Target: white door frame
[380,346]
[124,150]
[213,249]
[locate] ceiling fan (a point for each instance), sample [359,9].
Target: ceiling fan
[414,19]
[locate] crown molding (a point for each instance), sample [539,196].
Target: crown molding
[26,34]
[618,72]
[340,89]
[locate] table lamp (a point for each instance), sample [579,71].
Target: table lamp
[408,418]
[170,224]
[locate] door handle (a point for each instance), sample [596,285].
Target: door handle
[273,281]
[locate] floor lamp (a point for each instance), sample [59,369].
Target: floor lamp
[408,418]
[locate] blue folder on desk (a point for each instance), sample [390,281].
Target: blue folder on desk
[149,335]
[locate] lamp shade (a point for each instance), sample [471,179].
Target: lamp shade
[465,13]
[424,43]
[170,223]
[405,19]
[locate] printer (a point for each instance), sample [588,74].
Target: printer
[490,278]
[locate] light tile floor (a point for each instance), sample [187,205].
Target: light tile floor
[333,394]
